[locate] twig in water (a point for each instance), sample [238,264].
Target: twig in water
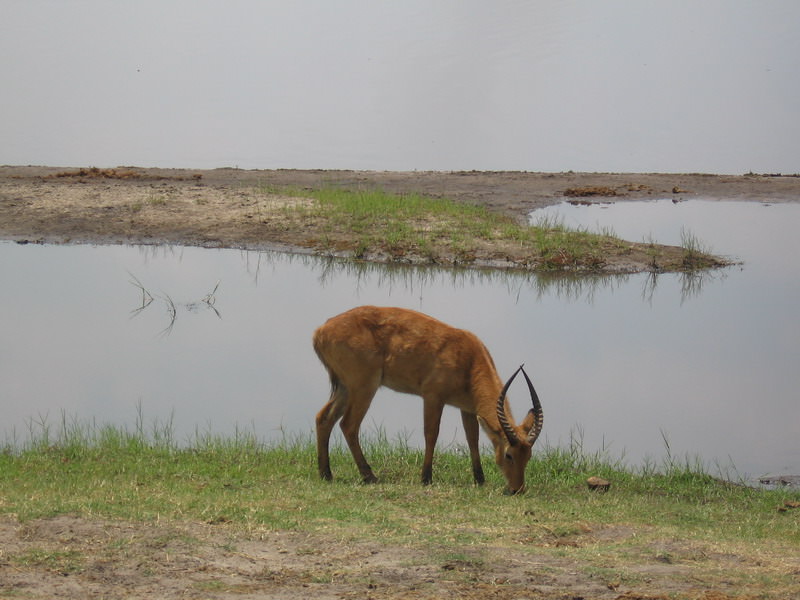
[173,315]
[147,298]
[210,299]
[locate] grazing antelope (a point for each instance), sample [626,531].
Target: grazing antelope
[407,351]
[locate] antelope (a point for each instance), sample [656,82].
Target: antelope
[368,347]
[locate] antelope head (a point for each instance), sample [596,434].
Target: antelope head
[513,451]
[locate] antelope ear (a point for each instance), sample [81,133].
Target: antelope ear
[487,430]
[532,425]
[529,421]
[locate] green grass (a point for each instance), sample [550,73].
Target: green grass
[694,250]
[416,228]
[112,472]
[671,512]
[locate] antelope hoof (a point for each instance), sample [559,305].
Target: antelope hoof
[369,479]
[427,478]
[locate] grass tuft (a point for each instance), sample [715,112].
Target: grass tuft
[375,225]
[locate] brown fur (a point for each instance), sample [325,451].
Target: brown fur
[407,351]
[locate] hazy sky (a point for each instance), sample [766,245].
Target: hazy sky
[542,86]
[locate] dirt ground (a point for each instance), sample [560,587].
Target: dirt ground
[74,557]
[217,208]
[71,557]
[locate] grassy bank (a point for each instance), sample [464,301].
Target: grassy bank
[372,224]
[671,513]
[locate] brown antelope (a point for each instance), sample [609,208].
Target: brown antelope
[407,351]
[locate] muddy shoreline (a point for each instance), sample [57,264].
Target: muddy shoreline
[226,207]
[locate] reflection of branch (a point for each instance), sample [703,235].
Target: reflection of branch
[173,315]
[147,298]
[210,299]
[207,301]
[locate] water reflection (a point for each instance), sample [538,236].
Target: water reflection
[207,302]
[568,287]
[710,361]
[692,283]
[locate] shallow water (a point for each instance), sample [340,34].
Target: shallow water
[708,362]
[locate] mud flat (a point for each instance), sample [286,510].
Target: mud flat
[220,207]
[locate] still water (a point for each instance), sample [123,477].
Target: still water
[708,362]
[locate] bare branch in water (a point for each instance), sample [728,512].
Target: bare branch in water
[208,301]
[147,297]
[173,315]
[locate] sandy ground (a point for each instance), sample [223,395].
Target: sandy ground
[72,557]
[219,208]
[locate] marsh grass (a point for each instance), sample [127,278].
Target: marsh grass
[694,250]
[416,228]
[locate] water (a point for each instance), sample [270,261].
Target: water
[621,363]
[551,85]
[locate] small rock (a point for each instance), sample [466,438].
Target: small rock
[598,484]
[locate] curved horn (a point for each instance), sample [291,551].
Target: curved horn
[501,412]
[538,414]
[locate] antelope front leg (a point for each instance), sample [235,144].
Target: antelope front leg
[433,418]
[471,429]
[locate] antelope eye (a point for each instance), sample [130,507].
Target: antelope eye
[509,458]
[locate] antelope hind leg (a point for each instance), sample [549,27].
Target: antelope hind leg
[326,419]
[351,425]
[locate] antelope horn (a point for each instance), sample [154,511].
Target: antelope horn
[501,412]
[538,414]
